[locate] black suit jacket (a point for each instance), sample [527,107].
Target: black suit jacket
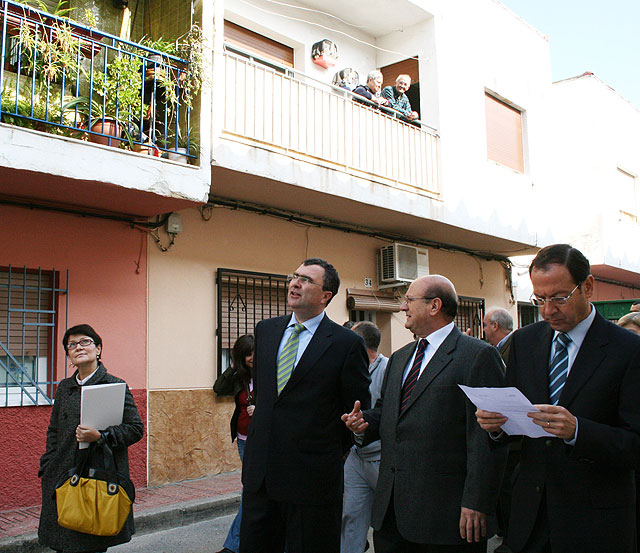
[589,487]
[435,458]
[295,440]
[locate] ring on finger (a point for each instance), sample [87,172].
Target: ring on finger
[548,423]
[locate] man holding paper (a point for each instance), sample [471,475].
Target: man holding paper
[438,476]
[575,488]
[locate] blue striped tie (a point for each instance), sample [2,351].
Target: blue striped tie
[287,358]
[559,368]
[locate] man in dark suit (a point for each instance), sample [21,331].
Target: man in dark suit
[438,476]
[307,371]
[498,327]
[575,489]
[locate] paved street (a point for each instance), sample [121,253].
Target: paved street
[201,537]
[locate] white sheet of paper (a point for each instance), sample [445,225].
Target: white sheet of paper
[510,402]
[101,406]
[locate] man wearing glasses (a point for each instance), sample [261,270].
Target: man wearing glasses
[439,477]
[575,489]
[307,371]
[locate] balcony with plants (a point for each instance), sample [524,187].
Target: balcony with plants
[65,78]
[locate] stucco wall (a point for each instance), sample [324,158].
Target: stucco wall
[107,283]
[188,426]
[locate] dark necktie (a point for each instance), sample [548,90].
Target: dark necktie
[413,374]
[559,368]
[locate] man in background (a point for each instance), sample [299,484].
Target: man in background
[498,327]
[362,464]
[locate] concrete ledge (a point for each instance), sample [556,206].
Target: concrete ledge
[147,521]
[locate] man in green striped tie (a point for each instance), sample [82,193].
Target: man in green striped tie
[307,372]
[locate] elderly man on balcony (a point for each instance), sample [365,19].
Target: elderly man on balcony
[397,97]
[371,91]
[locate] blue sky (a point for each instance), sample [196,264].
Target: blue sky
[590,35]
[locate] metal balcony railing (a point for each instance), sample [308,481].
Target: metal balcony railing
[292,113]
[64,78]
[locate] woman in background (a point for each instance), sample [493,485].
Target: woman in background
[237,381]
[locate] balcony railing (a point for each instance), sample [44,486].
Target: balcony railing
[294,114]
[64,78]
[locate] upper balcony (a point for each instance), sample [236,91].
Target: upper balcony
[287,112]
[71,92]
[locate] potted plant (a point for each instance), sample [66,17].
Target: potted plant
[186,144]
[119,105]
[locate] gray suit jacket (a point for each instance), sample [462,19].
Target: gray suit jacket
[435,457]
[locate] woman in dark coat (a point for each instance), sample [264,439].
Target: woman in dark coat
[237,381]
[84,347]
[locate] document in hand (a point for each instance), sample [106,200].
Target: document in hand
[101,406]
[511,403]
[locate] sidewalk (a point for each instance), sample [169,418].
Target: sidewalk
[168,506]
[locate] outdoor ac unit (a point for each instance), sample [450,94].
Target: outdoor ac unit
[400,263]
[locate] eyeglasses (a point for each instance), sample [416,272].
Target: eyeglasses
[409,299]
[557,301]
[84,343]
[303,278]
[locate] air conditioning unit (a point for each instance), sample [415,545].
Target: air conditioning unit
[400,264]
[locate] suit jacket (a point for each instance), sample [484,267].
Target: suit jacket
[435,458]
[295,441]
[505,349]
[589,487]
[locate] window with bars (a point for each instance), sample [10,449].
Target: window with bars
[470,315]
[29,318]
[244,299]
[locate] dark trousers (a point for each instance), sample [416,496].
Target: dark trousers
[268,526]
[389,540]
[539,540]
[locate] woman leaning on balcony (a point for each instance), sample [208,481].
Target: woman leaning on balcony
[84,347]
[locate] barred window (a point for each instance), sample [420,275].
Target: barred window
[244,299]
[29,315]
[527,314]
[470,315]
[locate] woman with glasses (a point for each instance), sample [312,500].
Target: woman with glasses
[84,348]
[237,381]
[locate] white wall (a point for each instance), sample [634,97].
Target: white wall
[595,131]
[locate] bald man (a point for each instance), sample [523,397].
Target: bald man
[439,477]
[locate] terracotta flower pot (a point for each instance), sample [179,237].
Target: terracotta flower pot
[108,127]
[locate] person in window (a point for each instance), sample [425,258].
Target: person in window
[84,347]
[372,90]
[398,100]
[237,381]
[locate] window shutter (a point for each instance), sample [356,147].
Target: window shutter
[262,46]
[504,134]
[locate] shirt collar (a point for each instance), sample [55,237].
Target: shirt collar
[311,324]
[578,332]
[501,342]
[81,382]
[436,338]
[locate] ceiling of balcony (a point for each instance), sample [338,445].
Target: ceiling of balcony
[380,17]
[257,190]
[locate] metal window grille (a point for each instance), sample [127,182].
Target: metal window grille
[358,315]
[244,299]
[30,307]
[527,314]
[470,315]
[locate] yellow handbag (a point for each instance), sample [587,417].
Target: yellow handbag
[94,500]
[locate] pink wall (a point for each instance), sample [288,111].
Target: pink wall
[608,291]
[108,290]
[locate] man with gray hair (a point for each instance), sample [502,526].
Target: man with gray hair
[362,464]
[498,327]
[372,91]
